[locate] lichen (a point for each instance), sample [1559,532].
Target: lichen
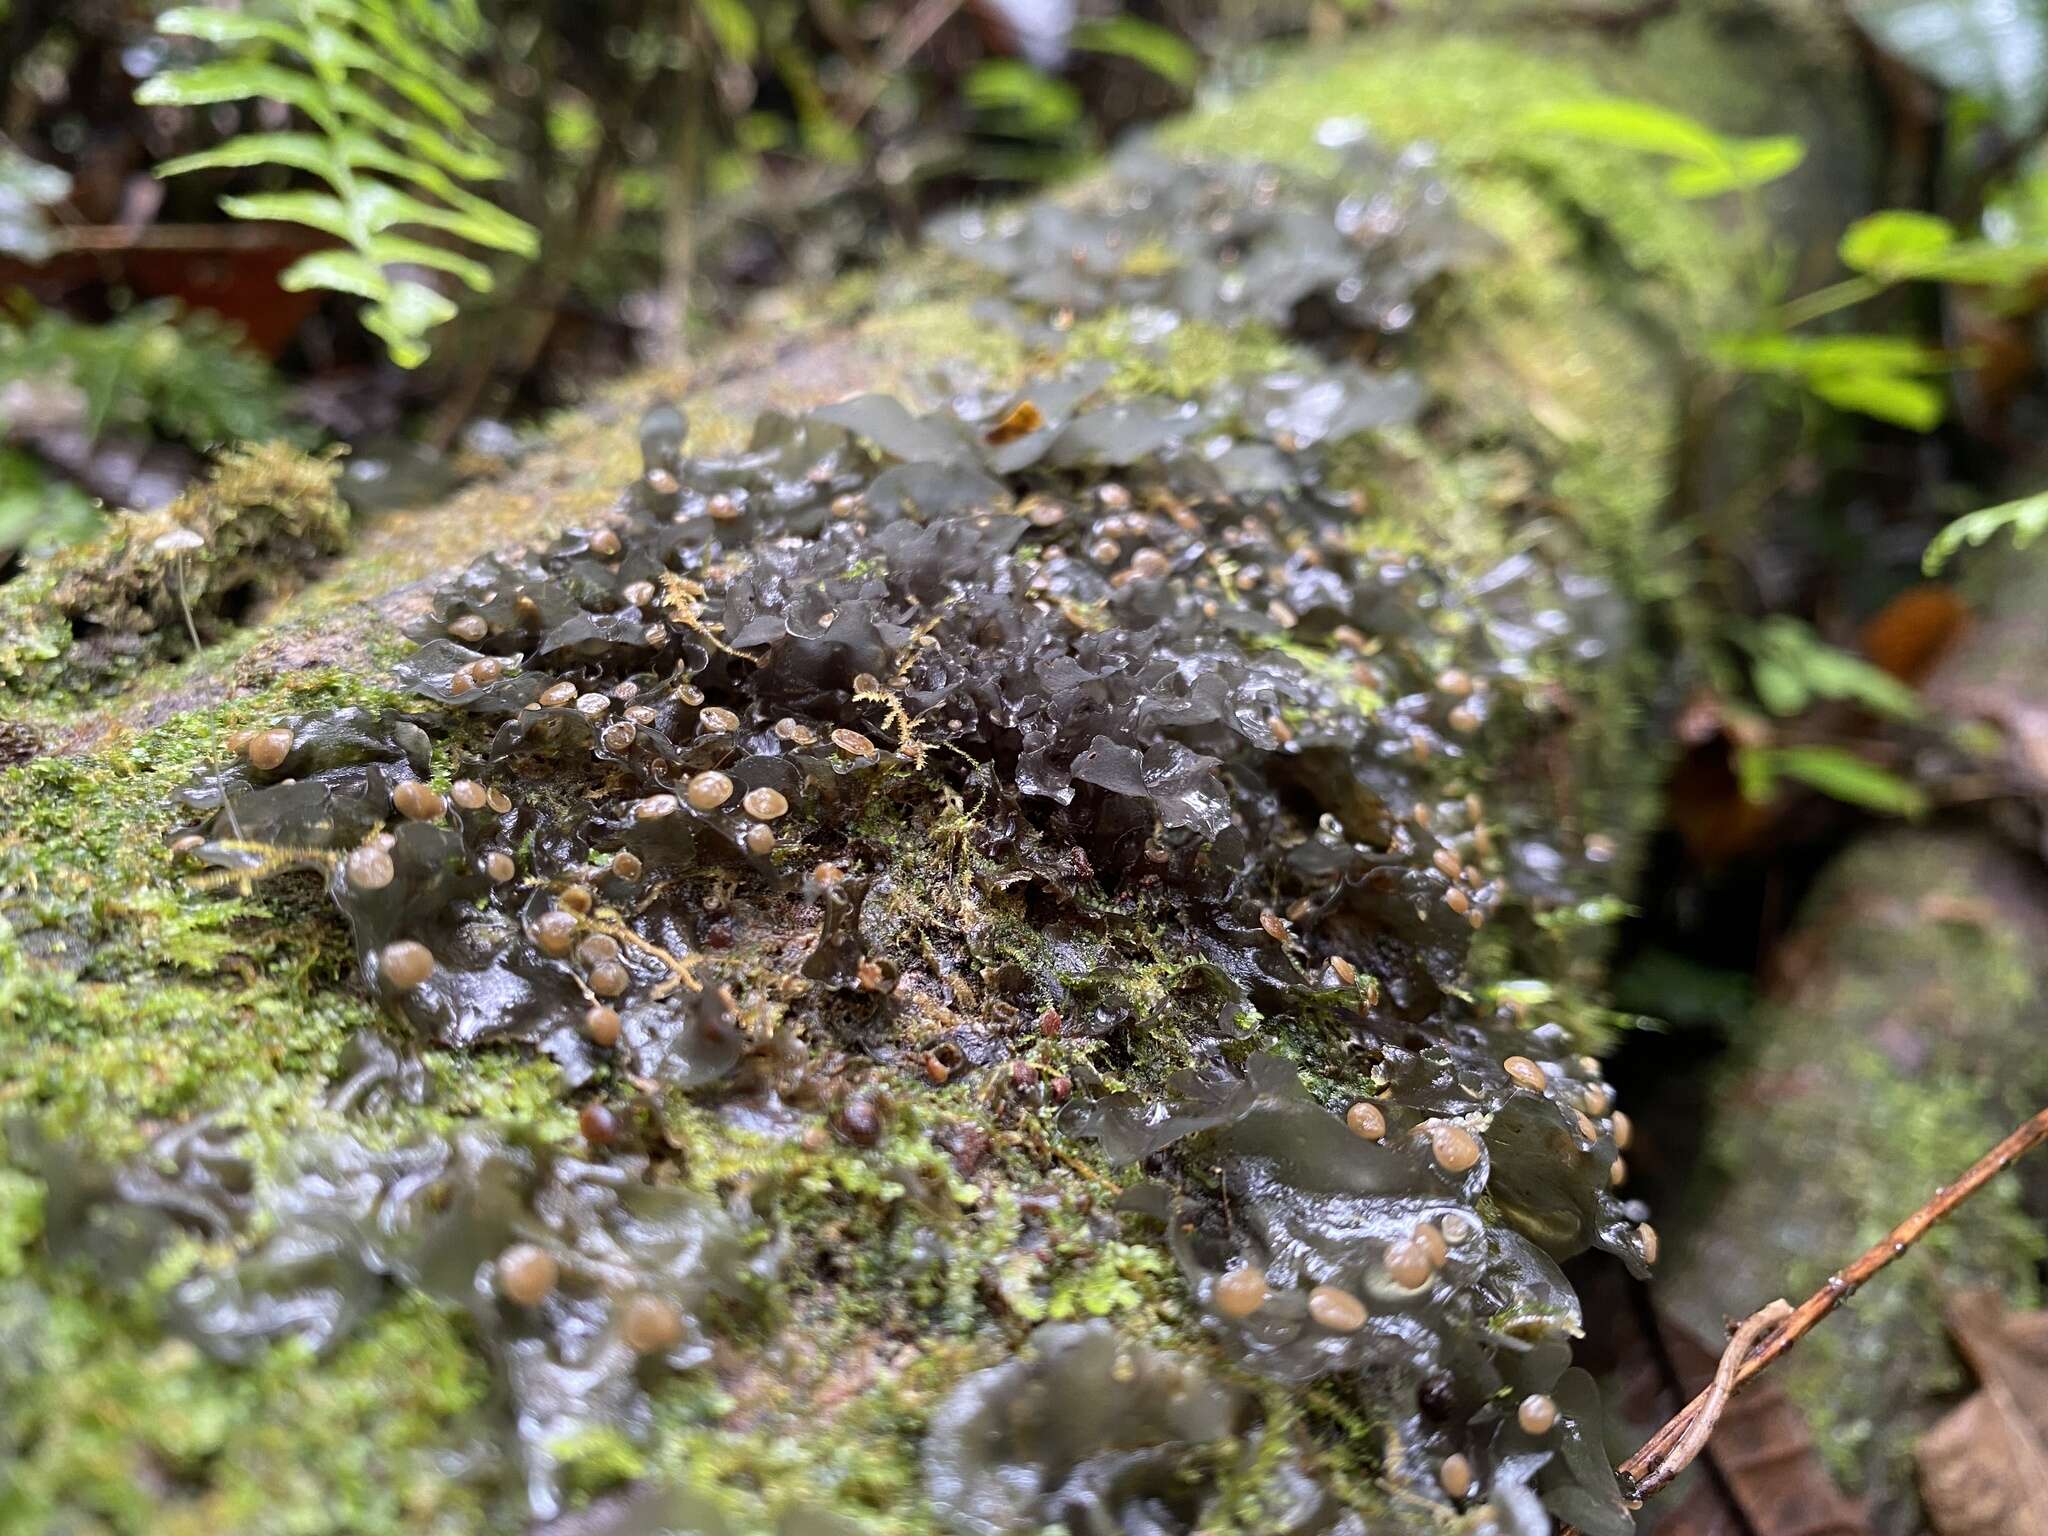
[1184,698]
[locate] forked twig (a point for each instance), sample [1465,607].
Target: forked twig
[1704,1412]
[1774,1330]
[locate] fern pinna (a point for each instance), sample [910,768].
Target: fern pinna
[393,136]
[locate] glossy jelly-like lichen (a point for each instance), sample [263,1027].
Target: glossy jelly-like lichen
[576,1274]
[1066,771]
[1083,1431]
[1227,244]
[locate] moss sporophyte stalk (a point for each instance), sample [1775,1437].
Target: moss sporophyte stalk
[1009,876]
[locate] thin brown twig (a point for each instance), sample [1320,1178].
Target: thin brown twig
[916,29]
[1713,1400]
[1768,1335]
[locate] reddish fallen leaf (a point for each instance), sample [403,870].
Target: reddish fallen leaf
[1912,632]
[231,269]
[1984,1468]
[1704,800]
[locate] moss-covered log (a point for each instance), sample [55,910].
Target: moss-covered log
[1903,1038]
[1029,959]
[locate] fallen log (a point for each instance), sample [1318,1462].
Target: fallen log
[1024,948]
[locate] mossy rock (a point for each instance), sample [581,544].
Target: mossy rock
[1905,1046]
[252,531]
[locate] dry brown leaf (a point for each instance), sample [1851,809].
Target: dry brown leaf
[1913,631]
[1984,1468]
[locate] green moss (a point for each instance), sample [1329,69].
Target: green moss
[126,1000]
[942,331]
[1552,362]
[21,1220]
[1920,1135]
[244,535]
[1194,356]
[597,1458]
[1468,96]
[110,1428]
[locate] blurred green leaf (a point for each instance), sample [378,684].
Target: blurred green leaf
[573,127]
[1792,665]
[1159,50]
[1630,124]
[1988,264]
[2026,519]
[1019,100]
[1798,356]
[1835,772]
[732,27]
[1709,163]
[1913,404]
[1750,163]
[1879,376]
[38,511]
[1896,243]
[156,368]
[1779,688]
[1993,50]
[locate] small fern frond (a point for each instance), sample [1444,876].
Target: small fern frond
[2027,519]
[394,137]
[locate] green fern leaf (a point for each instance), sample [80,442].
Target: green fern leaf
[401,320]
[298,151]
[373,115]
[394,139]
[391,32]
[2027,518]
[316,210]
[338,272]
[395,249]
[224,28]
[206,85]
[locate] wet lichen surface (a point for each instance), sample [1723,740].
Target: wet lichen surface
[1008,999]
